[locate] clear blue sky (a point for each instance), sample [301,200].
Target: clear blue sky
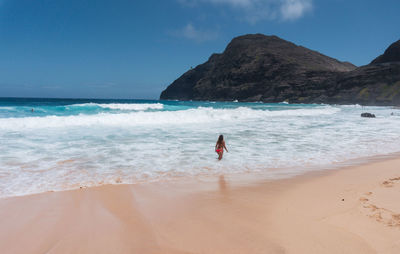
[132,49]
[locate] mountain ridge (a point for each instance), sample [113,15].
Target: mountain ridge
[257,67]
[391,54]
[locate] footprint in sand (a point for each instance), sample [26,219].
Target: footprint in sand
[387,184]
[391,182]
[381,214]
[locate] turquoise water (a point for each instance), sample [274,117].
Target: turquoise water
[57,144]
[22,107]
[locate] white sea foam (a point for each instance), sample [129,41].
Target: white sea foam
[63,152]
[191,116]
[124,106]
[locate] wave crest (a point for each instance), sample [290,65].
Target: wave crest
[157,118]
[123,106]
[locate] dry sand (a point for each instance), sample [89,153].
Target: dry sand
[352,210]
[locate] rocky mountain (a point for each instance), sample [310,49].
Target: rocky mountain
[392,54]
[377,83]
[256,67]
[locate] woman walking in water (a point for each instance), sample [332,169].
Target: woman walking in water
[219,147]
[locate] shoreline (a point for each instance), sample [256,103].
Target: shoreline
[247,178]
[353,209]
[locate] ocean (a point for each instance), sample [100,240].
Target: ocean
[60,144]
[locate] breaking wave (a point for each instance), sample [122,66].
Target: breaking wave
[190,116]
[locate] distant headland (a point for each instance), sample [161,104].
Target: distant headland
[256,67]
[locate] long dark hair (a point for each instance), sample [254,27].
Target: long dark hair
[220,139]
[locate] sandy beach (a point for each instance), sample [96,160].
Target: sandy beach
[349,210]
[199,127]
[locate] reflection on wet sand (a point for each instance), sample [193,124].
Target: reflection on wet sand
[223,187]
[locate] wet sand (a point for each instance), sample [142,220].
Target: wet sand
[351,210]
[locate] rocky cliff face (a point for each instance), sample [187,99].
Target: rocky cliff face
[266,68]
[392,54]
[373,84]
